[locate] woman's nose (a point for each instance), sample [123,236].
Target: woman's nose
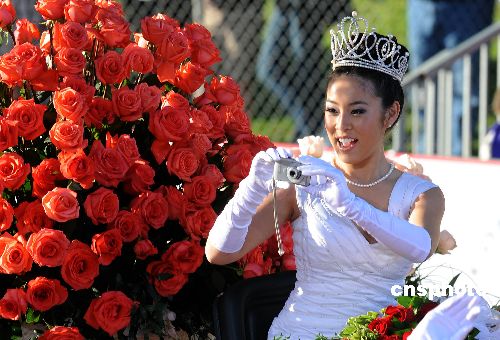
[343,122]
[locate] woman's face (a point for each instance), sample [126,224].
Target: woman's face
[355,120]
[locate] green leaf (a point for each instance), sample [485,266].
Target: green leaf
[32,316]
[405,301]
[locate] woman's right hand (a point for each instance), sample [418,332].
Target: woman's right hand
[262,168]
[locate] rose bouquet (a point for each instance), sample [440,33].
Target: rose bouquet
[118,149]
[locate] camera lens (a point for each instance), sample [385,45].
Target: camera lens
[294,173]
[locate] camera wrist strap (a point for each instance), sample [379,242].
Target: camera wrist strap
[276,225]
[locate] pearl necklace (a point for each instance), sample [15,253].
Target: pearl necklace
[391,168]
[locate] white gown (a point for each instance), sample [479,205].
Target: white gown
[339,273]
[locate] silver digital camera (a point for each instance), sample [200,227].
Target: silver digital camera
[285,169]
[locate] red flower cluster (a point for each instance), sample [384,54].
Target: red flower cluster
[397,322]
[117,148]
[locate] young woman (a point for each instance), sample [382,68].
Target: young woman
[361,224]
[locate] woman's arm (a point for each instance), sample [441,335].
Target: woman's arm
[427,212]
[261,227]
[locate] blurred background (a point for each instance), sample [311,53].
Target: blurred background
[279,53]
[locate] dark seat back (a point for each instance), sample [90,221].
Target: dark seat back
[246,310]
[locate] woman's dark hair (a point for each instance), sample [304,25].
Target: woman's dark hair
[386,87]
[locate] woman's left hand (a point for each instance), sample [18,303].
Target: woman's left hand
[326,181]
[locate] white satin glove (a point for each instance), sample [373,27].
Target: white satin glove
[452,319]
[231,227]
[406,239]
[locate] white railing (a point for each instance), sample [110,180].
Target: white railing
[429,89]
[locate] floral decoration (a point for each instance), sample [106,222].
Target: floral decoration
[118,150]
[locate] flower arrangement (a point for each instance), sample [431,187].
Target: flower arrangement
[118,149]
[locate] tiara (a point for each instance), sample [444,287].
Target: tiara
[353,45]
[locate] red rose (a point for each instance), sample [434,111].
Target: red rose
[156,27]
[79,85]
[200,191]
[237,121]
[31,61]
[43,294]
[129,225]
[403,314]
[288,262]
[48,247]
[107,245]
[126,145]
[70,34]
[9,132]
[70,61]
[62,333]
[13,171]
[140,177]
[200,123]
[380,325]
[187,256]
[160,150]
[144,248]
[225,89]
[70,104]
[176,202]
[204,52]
[174,47]
[110,312]
[127,104]
[212,172]
[218,120]
[61,205]
[150,97]
[6,214]
[80,266]
[31,217]
[78,166]
[406,335]
[14,258]
[110,166]
[196,31]
[189,77]
[45,176]
[199,222]
[169,124]
[115,30]
[237,164]
[176,101]
[7,13]
[10,72]
[152,207]
[51,9]
[183,163]
[100,110]
[166,279]
[13,304]
[424,309]
[102,206]
[109,68]
[253,270]
[67,135]
[80,10]
[137,59]
[26,31]
[200,144]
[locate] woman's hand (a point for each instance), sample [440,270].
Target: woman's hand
[453,319]
[262,168]
[327,182]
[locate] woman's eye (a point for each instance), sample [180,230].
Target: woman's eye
[331,110]
[358,111]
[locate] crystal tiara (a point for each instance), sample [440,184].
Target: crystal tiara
[353,45]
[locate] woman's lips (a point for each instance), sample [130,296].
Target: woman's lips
[346,143]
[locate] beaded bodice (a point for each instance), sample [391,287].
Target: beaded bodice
[339,273]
